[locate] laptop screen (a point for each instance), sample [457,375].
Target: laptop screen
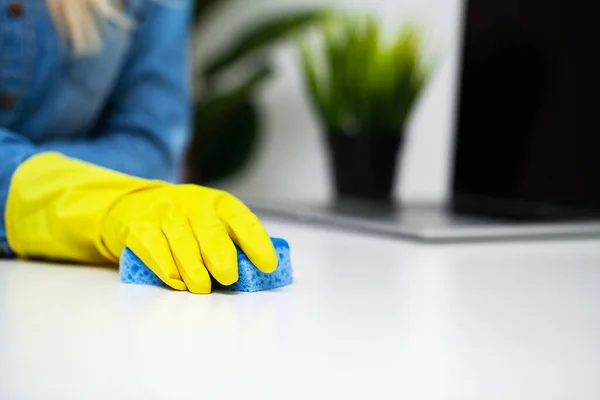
[528,123]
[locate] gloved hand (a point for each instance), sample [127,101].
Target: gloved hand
[64,209]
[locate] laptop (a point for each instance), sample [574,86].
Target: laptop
[526,160]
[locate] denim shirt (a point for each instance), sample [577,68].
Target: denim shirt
[125,107]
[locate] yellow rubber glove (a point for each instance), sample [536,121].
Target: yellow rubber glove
[59,208]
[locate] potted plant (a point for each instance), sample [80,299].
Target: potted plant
[363,89]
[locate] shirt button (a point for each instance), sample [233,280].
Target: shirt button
[7,100]
[15,9]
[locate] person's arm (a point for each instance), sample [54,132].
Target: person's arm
[146,125]
[14,149]
[60,208]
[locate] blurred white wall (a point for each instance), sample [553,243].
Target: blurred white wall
[291,163]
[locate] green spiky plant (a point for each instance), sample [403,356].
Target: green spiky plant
[360,83]
[228,122]
[363,89]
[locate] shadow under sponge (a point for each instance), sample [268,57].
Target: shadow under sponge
[132,270]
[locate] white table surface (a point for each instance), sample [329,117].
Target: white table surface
[368,318]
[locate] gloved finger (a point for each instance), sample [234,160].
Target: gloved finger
[217,249]
[248,233]
[186,254]
[147,241]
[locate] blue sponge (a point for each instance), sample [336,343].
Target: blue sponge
[251,279]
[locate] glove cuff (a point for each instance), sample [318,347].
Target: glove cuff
[57,205]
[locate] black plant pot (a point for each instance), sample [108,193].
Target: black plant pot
[364,165]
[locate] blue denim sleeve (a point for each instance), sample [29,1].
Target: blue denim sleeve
[14,149]
[146,126]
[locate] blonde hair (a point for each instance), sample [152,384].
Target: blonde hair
[78,21]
